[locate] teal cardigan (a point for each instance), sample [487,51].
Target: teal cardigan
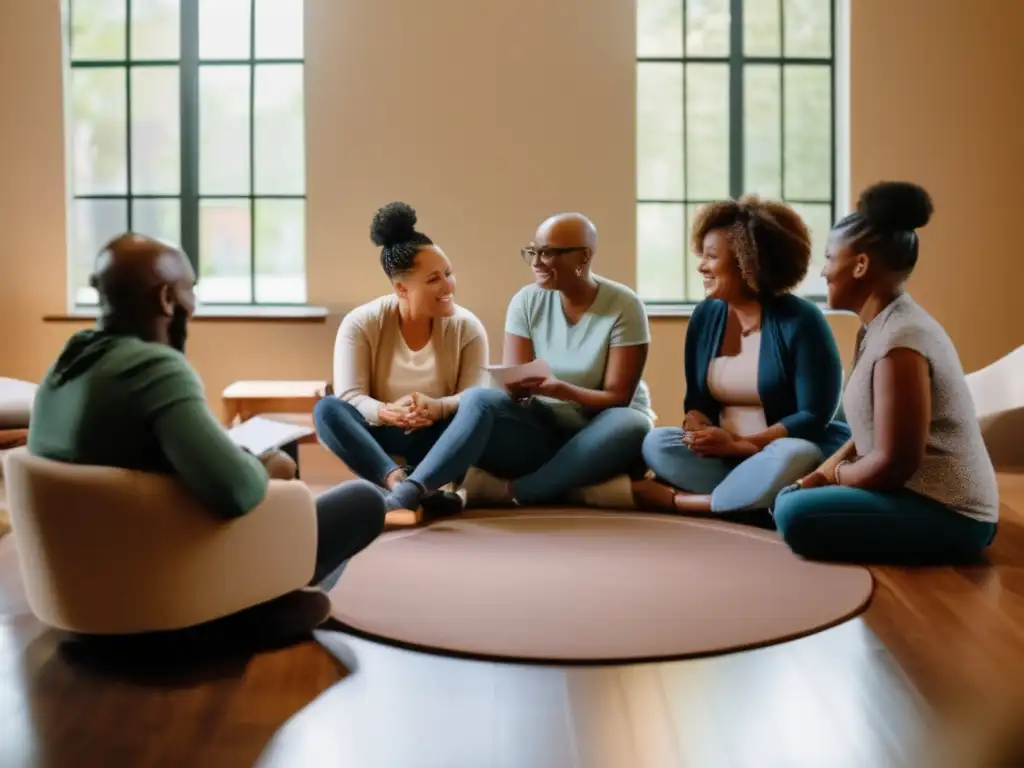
[800,373]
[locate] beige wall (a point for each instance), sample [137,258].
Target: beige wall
[442,104]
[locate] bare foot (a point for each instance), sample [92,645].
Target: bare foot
[650,494]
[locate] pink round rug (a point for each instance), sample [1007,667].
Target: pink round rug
[587,587]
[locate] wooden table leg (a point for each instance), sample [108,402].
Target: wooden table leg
[292,449]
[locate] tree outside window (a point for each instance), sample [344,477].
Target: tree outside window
[733,96]
[187,123]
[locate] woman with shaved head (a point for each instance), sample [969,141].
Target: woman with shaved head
[565,435]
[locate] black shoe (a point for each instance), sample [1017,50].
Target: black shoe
[441,504]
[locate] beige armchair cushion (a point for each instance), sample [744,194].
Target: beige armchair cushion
[998,393]
[112,551]
[16,398]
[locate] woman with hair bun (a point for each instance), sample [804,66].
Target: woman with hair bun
[914,484]
[401,361]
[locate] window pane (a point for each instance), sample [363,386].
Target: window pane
[660,131]
[95,222]
[707,27]
[280,251]
[98,30]
[707,131]
[659,28]
[762,33]
[158,218]
[661,251]
[762,128]
[819,220]
[808,140]
[224,29]
[156,131]
[279,130]
[808,28]
[156,29]
[224,130]
[99,131]
[225,252]
[279,29]
[694,282]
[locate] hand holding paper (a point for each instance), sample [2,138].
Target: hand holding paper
[512,375]
[527,380]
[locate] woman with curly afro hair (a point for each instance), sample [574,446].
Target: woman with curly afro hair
[915,483]
[402,361]
[763,372]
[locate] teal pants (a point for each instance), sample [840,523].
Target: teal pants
[854,525]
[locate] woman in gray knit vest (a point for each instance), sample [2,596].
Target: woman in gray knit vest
[915,482]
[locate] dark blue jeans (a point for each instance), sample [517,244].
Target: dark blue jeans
[855,525]
[366,449]
[348,518]
[522,443]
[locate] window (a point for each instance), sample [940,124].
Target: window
[733,96]
[186,122]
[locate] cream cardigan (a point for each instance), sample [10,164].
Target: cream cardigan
[365,347]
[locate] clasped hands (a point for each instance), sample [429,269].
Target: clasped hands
[706,440]
[411,412]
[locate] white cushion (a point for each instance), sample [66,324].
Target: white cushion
[16,398]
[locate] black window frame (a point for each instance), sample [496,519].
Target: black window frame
[189,64]
[737,61]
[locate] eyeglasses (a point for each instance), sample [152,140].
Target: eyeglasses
[548,254]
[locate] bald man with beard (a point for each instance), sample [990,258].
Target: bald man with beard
[123,395]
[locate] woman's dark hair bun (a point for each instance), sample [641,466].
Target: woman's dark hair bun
[393,223]
[895,206]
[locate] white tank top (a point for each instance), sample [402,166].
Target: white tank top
[413,372]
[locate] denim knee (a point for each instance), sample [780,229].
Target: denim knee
[630,426]
[361,503]
[792,515]
[800,456]
[329,411]
[656,445]
[482,398]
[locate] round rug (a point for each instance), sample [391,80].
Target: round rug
[589,587]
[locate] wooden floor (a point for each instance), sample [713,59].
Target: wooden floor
[935,646]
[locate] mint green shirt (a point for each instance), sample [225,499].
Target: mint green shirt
[578,354]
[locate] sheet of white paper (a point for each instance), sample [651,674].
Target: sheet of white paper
[260,436]
[510,374]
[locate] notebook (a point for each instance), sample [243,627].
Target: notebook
[260,435]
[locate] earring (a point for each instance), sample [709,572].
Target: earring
[579,271]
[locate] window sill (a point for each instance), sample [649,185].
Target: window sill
[685,308]
[222,313]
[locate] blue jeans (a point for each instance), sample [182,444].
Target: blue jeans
[366,449]
[522,443]
[855,525]
[735,485]
[348,518]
